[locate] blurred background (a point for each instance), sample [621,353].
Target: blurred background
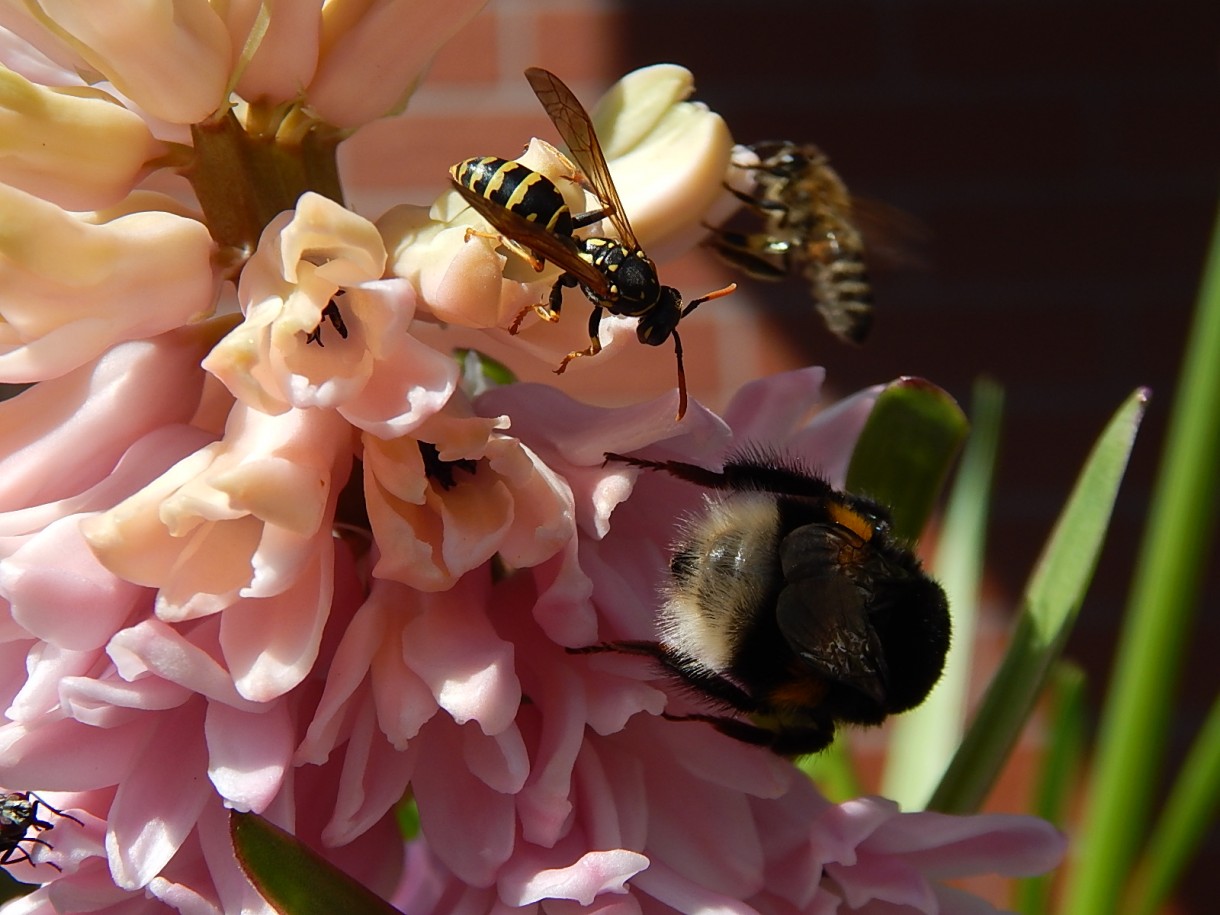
[1062,159]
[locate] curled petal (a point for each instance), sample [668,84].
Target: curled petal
[67,433]
[73,289]
[594,873]
[156,805]
[42,133]
[235,518]
[366,71]
[454,649]
[464,279]
[52,576]
[171,59]
[287,52]
[248,753]
[668,155]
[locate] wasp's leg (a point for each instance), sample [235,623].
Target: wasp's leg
[595,343]
[548,310]
[508,244]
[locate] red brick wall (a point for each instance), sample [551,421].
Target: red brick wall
[1063,157]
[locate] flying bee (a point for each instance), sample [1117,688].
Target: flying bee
[791,603]
[18,814]
[614,273]
[809,226]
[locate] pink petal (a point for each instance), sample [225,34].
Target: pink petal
[249,753]
[950,846]
[270,645]
[100,756]
[526,880]
[67,433]
[469,826]
[455,650]
[156,805]
[375,777]
[54,574]
[156,647]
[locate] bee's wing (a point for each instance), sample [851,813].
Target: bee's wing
[823,622]
[576,128]
[560,250]
[821,614]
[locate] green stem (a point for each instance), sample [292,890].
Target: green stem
[1135,720]
[243,181]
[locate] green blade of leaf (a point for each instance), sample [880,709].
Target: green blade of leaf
[292,877]
[905,451]
[1185,819]
[1173,556]
[923,740]
[834,771]
[1059,772]
[1049,606]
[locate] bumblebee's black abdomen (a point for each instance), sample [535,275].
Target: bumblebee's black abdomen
[526,192]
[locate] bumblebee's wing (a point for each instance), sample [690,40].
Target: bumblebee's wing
[823,622]
[560,250]
[821,614]
[576,128]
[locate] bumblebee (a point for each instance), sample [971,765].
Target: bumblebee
[614,273]
[808,227]
[791,603]
[18,814]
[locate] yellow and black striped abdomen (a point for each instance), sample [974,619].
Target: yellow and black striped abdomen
[529,194]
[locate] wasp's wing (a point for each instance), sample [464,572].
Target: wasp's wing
[576,128]
[560,250]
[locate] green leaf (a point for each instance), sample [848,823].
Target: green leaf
[292,877]
[833,771]
[923,741]
[1049,606]
[1186,818]
[480,371]
[905,451]
[1059,772]
[1164,594]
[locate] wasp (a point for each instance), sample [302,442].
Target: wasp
[809,226]
[530,213]
[18,814]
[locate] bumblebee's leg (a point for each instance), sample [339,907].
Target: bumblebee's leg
[548,310]
[785,743]
[705,682]
[595,343]
[743,471]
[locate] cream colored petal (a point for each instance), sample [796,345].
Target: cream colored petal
[286,55]
[668,156]
[73,289]
[75,147]
[171,57]
[374,53]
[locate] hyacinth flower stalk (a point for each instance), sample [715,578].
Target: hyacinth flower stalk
[267,546]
